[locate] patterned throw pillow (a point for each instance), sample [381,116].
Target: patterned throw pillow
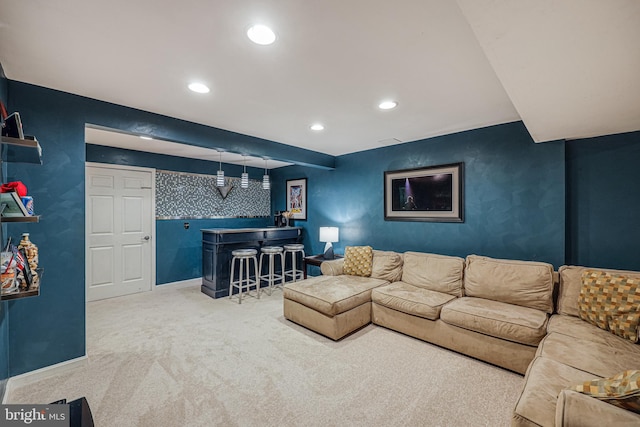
[611,302]
[622,390]
[358,260]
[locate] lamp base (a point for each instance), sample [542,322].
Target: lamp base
[328,251]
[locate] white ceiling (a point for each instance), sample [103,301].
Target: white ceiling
[567,69]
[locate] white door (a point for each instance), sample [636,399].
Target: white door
[118,231]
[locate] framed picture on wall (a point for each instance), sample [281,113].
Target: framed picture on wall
[297,198]
[433,193]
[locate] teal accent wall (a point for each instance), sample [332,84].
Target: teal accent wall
[178,250]
[514,197]
[603,201]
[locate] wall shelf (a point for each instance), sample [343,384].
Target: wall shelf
[23,219]
[20,294]
[33,291]
[17,150]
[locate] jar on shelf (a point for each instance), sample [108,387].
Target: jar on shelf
[31,250]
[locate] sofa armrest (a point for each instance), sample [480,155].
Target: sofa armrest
[333,267]
[575,409]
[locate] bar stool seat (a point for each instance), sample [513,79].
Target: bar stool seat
[244,282]
[271,276]
[294,272]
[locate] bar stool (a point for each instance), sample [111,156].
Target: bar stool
[244,256]
[294,272]
[271,276]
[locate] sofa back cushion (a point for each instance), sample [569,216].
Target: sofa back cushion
[387,265]
[434,272]
[571,283]
[523,283]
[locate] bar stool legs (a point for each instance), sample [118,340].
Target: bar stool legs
[245,281]
[271,277]
[294,272]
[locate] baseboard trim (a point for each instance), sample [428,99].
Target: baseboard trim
[180,284]
[40,374]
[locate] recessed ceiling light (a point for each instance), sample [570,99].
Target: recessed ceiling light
[387,105]
[145,137]
[317,126]
[261,34]
[199,87]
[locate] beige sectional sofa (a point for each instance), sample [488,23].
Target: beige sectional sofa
[499,311]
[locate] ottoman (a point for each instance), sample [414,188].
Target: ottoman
[333,306]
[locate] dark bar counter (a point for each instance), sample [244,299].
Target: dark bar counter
[217,244]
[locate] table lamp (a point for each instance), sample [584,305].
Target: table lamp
[328,235]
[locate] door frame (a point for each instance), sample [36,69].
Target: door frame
[152,171]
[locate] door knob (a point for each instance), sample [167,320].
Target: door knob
[146,238]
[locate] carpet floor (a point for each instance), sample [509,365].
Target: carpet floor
[175,357]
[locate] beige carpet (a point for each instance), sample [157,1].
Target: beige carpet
[176,357]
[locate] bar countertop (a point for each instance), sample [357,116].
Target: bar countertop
[245,230]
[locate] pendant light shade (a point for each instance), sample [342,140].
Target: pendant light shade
[266,183]
[220,174]
[244,179]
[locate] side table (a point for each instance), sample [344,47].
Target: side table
[315,260]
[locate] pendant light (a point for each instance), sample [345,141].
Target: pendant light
[220,175]
[266,183]
[244,180]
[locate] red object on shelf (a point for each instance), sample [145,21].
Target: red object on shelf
[16,186]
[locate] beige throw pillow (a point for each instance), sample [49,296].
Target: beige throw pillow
[358,260]
[622,390]
[611,302]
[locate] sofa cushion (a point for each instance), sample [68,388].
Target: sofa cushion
[501,320]
[434,272]
[524,283]
[544,380]
[386,265]
[621,390]
[411,299]
[586,355]
[611,302]
[331,295]
[357,260]
[577,328]
[571,283]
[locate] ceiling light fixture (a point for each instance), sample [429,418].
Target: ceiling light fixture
[261,34]
[145,137]
[198,87]
[266,183]
[317,127]
[244,179]
[387,105]
[220,174]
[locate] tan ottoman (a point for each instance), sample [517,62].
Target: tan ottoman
[333,306]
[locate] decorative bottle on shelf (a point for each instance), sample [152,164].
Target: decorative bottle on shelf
[32,252]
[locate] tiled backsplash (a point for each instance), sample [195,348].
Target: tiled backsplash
[188,195]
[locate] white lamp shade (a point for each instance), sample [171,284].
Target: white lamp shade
[329,234]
